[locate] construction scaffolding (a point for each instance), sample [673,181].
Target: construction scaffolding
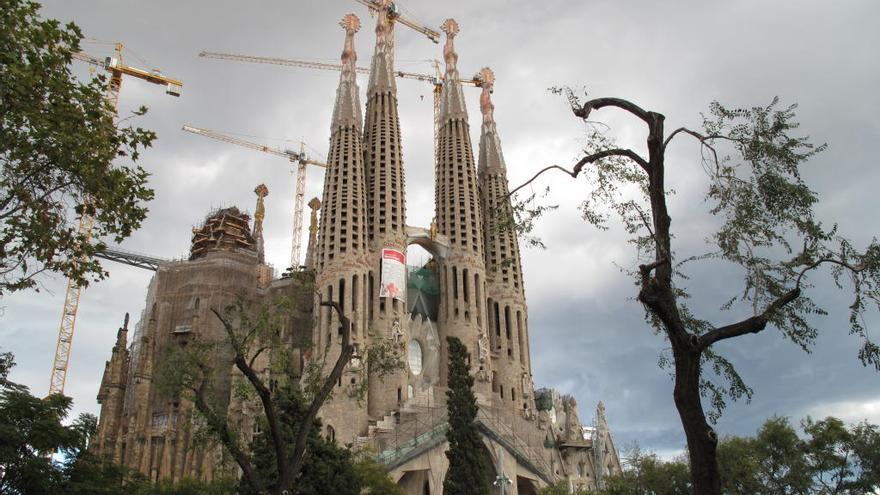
[226,229]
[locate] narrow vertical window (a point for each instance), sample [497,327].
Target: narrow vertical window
[342,294]
[464,278]
[478,295]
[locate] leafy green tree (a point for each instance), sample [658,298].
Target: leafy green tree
[373,477]
[467,473]
[31,428]
[772,462]
[58,139]
[766,230]
[738,466]
[841,459]
[327,468]
[830,458]
[646,474]
[188,486]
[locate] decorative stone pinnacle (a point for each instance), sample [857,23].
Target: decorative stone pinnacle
[262,191]
[259,213]
[382,66]
[450,27]
[487,83]
[383,24]
[351,24]
[347,109]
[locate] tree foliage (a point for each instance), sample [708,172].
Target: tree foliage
[467,473]
[373,477]
[58,139]
[647,473]
[830,458]
[766,230]
[327,468]
[32,428]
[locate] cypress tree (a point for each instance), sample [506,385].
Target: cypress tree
[467,471]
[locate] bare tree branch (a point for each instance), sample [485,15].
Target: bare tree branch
[599,103]
[750,325]
[256,354]
[576,170]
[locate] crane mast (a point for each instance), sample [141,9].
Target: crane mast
[299,158]
[117,69]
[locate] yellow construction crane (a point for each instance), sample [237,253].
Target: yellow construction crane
[299,158]
[436,80]
[117,69]
[394,15]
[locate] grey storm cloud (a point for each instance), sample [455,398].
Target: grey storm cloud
[588,334]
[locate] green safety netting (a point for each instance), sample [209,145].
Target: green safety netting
[423,292]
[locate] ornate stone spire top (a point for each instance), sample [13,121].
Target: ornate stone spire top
[347,111]
[487,82]
[452,105]
[259,214]
[491,158]
[450,27]
[382,68]
[351,24]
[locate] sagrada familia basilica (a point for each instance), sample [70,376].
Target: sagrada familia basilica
[472,289]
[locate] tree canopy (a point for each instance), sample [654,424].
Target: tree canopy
[59,139]
[32,428]
[829,458]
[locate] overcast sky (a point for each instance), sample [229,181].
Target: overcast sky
[588,336]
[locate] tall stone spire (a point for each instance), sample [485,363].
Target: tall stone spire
[343,230]
[386,206]
[508,320]
[458,216]
[347,111]
[383,158]
[341,262]
[451,97]
[382,69]
[259,214]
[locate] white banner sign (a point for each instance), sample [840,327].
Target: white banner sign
[393,283]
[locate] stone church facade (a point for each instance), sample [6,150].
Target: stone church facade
[472,289]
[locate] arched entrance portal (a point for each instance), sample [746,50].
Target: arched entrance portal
[525,486]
